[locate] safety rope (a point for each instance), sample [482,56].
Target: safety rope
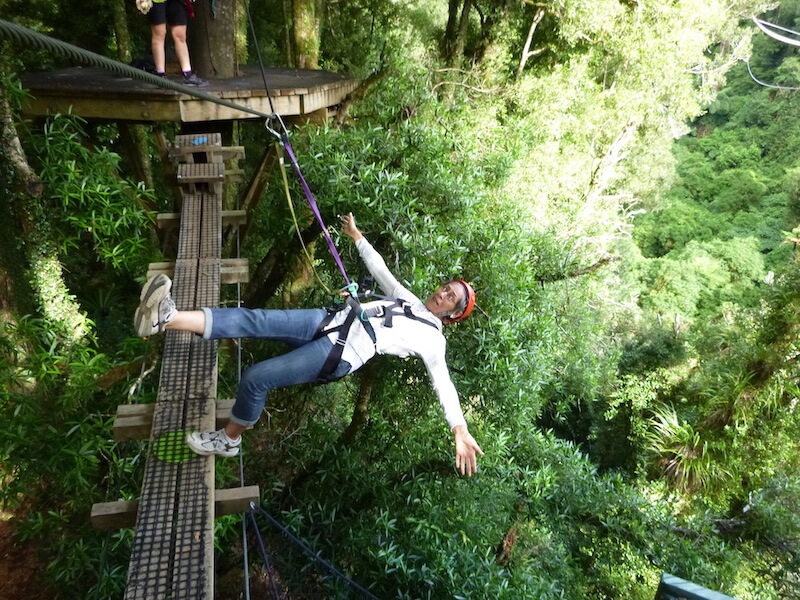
[305,548]
[765,27]
[258,55]
[17,33]
[315,209]
[296,222]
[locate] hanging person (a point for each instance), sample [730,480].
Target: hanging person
[326,345]
[174,13]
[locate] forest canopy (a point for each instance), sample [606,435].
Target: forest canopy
[621,192]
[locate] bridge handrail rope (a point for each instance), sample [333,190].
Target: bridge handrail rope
[254,508]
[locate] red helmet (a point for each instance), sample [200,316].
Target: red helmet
[468,306]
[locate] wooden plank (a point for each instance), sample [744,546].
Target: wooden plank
[227,152]
[200,173]
[104,108]
[134,421]
[96,93]
[232,501]
[121,514]
[195,140]
[232,270]
[230,218]
[110,516]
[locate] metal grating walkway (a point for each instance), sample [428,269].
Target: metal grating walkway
[172,552]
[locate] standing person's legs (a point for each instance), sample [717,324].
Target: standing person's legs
[157,17]
[158,35]
[181,48]
[178,20]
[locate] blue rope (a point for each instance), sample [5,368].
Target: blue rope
[305,548]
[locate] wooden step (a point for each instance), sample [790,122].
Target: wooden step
[232,270]
[190,173]
[230,218]
[186,153]
[194,140]
[135,421]
[121,514]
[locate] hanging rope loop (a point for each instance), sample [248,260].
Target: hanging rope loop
[315,556]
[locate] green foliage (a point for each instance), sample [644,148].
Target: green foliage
[58,457]
[95,208]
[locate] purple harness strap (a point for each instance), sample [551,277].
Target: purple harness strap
[315,208]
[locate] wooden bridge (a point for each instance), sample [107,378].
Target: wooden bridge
[173,549]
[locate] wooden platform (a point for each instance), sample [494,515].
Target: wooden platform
[99,94]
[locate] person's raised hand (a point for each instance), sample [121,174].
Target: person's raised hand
[349,227]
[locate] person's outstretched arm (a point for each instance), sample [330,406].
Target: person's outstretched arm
[373,261]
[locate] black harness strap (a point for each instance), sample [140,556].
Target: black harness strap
[389,312]
[335,355]
[364,315]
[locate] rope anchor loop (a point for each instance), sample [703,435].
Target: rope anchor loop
[274,124]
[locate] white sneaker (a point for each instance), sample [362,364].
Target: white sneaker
[156,306]
[207,443]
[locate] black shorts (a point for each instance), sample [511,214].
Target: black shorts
[171,11]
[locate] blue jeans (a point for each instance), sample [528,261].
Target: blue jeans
[293,327]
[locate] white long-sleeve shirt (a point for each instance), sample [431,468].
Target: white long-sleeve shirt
[406,337]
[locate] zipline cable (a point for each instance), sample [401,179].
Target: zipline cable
[765,27]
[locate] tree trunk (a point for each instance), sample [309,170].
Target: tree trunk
[526,51]
[212,39]
[275,267]
[461,38]
[368,377]
[45,272]
[121,33]
[306,20]
[451,30]
[134,137]
[286,9]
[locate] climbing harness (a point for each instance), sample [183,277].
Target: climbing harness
[335,355]
[396,307]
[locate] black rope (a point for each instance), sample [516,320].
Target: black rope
[258,55]
[264,554]
[305,548]
[19,34]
